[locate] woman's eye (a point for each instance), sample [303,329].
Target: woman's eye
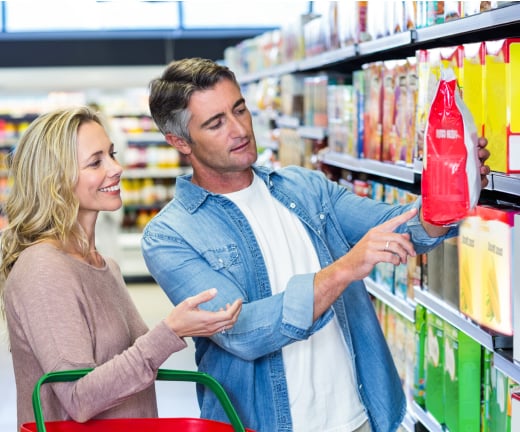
[113,154]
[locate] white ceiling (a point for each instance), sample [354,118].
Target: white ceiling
[22,80]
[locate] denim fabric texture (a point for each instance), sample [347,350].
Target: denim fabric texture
[201,240]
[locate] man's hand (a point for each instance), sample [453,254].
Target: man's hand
[483,155]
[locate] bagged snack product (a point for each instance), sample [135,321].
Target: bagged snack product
[451,178]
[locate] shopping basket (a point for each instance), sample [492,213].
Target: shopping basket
[137,424]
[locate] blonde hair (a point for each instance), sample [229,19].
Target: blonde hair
[43,173]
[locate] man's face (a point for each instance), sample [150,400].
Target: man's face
[221,130]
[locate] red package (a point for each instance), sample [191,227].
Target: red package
[451,174]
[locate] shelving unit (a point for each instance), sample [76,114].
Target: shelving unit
[493,24]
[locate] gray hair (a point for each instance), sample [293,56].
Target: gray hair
[171,93]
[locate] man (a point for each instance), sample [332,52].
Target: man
[307,352]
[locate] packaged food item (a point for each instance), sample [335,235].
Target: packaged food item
[451,176]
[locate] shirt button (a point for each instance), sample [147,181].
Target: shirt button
[322,216]
[292,205]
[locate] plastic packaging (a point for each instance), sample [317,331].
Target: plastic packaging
[451,176]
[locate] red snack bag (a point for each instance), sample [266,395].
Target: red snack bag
[451,176]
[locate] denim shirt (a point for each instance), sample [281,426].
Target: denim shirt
[202,240]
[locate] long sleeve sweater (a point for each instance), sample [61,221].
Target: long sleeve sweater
[65,314]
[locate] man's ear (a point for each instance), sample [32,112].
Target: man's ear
[179,143]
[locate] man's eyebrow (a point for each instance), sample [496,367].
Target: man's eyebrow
[221,114]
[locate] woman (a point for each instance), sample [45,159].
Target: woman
[66,305]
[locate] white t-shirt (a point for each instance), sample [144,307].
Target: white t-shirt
[319,371]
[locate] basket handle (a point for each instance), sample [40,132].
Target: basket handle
[162,374]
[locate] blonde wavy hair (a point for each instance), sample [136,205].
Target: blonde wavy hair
[43,172]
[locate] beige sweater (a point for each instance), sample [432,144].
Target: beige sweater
[65,314]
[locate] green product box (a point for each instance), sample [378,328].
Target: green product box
[487,360]
[434,352]
[410,359]
[419,368]
[435,271]
[500,401]
[462,377]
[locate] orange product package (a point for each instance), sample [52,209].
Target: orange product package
[451,178]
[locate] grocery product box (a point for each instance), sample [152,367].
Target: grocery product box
[373,119]
[434,353]
[410,359]
[291,95]
[290,147]
[340,113]
[498,268]
[462,378]
[473,91]
[453,57]
[515,412]
[428,75]
[435,271]
[487,266]
[406,153]
[502,114]
[389,132]
[470,289]
[498,390]
[419,381]
[450,272]
[358,83]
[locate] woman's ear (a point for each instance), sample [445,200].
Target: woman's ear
[179,143]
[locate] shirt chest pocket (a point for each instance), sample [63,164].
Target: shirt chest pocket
[223,257]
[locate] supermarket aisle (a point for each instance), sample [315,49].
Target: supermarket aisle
[175,399]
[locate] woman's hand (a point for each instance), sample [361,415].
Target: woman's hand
[186,319]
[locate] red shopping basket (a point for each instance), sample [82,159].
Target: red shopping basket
[137,424]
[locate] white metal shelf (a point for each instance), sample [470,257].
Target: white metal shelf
[155,173]
[409,39]
[389,170]
[405,308]
[483,21]
[145,138]
[426,419]
[500,182]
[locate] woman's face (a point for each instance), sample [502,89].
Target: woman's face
[98,186]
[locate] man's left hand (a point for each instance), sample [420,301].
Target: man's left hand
[483,155]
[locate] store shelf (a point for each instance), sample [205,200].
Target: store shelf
[132,262]
[426,419]
[146,138]
[464,324]
[507,183]
[312,132]
[327,58]
[487,20]
[288,122]
[401,306]
[386,43]
[389,170]
[456,31]
[499,182]
[155,173]
[408,423]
